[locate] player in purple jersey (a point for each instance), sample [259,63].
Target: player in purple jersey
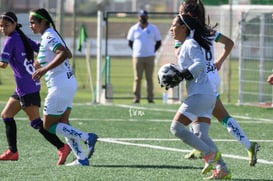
[18,52]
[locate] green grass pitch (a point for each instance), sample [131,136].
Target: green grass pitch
[135,144]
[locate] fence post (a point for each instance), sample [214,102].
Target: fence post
[241,39]
[272,94]
[261,66]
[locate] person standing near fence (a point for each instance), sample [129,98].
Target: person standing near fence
[201,98]
[61,84]
[144,39]
[18,53]
[270,79]
[196,9]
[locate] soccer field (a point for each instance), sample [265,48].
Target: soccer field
[135,144]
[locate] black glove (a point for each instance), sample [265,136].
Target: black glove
[186,74]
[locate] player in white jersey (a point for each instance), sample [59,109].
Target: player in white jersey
[201,98]
[62,85]
[196,9]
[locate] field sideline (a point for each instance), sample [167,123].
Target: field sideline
[135,144]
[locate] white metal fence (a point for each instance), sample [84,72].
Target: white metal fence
[255,57]
[251,28]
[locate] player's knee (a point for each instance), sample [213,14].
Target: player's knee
[4,115]
[176,128]
[36,123]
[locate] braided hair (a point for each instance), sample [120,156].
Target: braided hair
[11,17]
[40,14]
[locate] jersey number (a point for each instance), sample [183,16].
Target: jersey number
[29,66]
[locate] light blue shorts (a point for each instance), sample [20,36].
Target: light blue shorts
[198,105]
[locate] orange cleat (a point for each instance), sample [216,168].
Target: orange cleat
[9,156]
[218,175]
[210,159]
[63,154]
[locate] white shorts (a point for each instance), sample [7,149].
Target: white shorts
[198,105]
[215,81]
[60,98]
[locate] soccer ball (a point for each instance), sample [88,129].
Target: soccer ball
[168,75]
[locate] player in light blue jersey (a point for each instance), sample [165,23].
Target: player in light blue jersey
[18,52]
[53,64]
[196,9]
[201,98]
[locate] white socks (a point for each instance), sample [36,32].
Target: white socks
[179,130]
[70,132]
[236,131]
[76,147]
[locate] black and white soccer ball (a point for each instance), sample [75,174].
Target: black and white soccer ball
[169,75]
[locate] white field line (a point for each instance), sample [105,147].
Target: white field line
[175,139]
[251,120]
[174,111]
[111,140]
[148,120]
[122,140]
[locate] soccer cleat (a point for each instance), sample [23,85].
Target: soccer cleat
[252,153]
[210,159]
[91,141]
[77,162]
[194,154]
[218,175]
[9,156]
[63,154]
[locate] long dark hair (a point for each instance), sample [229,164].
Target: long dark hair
[196,9]
[11,17]
[200,33]
[40,14]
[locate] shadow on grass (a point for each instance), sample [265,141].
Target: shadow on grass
[149,166]
[248,179]
[170,167]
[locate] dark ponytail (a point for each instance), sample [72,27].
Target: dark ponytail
[28,48]
[199,31]
[42,13]
[196,9]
